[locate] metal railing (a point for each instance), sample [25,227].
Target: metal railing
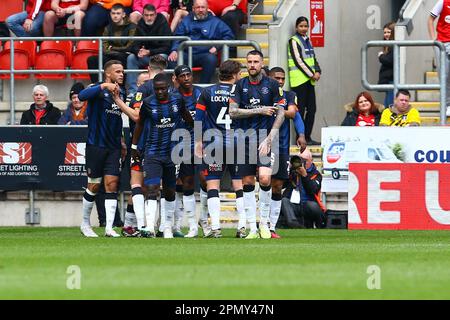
[277,8]
[225,50]
[99,70]
[397,85]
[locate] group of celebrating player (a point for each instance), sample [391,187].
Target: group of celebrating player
[180,132]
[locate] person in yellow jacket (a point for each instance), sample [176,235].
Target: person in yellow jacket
[97,16]
[401,114]
[304,72]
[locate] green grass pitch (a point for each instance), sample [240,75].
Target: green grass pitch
[305,264]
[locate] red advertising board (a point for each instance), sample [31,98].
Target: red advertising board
[399,196]
[317,22]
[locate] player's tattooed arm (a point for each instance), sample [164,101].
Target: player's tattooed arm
[239,113]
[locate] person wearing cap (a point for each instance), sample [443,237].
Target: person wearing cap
[301,198]
[201,25]
[42,111]
[185,197]
[75,113]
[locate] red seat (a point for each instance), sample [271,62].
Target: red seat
[84,50]
[24,55]
[10,7]
[53,55]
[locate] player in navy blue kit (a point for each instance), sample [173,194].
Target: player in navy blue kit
[186,182]
[254,101]
[164,114]
[104,142]
[282,175]
[156,65]
[212,114]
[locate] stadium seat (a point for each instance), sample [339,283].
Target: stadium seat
[84,50]
[24,58]
[53,55]
[10,7]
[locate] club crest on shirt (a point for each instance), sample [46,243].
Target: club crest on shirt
[138,96]
[265,90]
[175,108]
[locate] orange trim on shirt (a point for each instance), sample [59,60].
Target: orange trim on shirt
[200,107]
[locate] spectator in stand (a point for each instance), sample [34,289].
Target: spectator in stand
[42,111]
[180,9]
[75,113]
[386,58]
[232,12]
[98,16]
[401,114]
[364,112]
[28,23]
[162,6]
[201,25]
[301,198]
[62,12]
[153,24]
[115,49]
[304,72]
[442,33]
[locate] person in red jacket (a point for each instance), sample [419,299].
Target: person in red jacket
[28,23]
[232,12]
[42,111]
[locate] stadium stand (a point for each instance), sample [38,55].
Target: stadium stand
[84,50]
[24,58]
[55,55]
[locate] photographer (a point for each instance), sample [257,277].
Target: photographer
[301,205]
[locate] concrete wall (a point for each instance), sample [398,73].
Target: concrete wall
[349,24]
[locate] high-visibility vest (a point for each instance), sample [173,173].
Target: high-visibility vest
[296,76]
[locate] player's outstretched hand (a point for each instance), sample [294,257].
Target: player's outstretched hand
[198,150]
[301,142]
[264,147]
[268,111]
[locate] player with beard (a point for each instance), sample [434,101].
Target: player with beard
[254,101]
[103,146]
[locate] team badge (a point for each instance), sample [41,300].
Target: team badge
[265,90]
[138,96]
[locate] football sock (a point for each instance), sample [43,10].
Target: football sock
[189,207]
[178,211]
[151,205]
[250,206]
[203,205]
[214,208]
[110,209]
[264,203]
[130,217]
[170,211]
[162,214]
[275,209]
[88,204]
[240,209]
[139,206]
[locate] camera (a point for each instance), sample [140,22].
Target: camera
[297,162]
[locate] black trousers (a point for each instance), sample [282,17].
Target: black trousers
[306,214]
[306,96]
[92,62]
[234,19]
